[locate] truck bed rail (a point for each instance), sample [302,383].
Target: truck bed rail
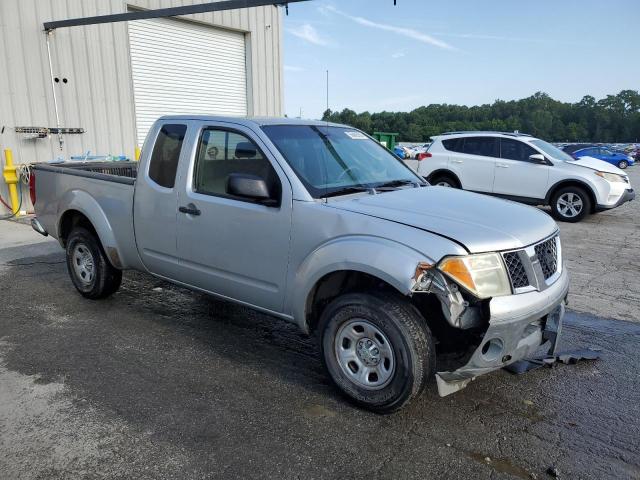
[118,172]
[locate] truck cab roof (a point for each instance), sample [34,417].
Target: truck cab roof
[251,121]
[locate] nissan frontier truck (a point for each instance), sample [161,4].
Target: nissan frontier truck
[318,224]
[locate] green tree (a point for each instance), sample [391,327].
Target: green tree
[615,118]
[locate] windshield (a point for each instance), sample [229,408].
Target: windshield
[335,160]
[552,151]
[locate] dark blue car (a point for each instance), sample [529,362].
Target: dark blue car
[621,160]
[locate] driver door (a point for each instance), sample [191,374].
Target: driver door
[516,175]
[231,246]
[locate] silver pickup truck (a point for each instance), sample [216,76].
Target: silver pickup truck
[318,224]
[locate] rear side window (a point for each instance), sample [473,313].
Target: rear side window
[484,146]
[166,153]
[515,150]
[453,144]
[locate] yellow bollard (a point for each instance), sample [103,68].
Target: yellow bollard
[11,177]
[137,154]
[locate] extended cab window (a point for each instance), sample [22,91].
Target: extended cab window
[483,146]
[515,150]
[222,153]
[166,153]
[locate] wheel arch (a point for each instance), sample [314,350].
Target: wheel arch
[444,171]
[350,263]
[83,210]
[572,183]
[335,284]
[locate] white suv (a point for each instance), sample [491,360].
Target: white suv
[526,169]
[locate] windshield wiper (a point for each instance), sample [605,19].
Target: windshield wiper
[398,183]
[348,190]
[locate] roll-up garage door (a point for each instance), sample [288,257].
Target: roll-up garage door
[181,67]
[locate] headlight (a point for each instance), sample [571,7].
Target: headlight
[483,275]
[611,177]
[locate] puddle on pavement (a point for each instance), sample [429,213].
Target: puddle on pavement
[318,411]
[533,414]
[500,465]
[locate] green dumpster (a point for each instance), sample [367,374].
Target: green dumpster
[387,139]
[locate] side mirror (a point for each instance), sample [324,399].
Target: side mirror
[248,186]
[538,158]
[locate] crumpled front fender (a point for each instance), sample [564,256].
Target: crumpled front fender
[385,259]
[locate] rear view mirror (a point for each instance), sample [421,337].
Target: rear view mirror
[248,186]
[538,158]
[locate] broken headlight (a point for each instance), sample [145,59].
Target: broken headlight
[483,275]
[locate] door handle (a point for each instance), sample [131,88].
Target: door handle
[457,161]
[502,165]
[190,209]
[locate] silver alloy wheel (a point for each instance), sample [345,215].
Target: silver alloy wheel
[623,164]
[569,205]
[83,264]
[444,183]
[364,354]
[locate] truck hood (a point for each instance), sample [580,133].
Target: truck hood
[478,222]
[595,164]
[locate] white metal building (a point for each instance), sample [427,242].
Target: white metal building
[114,79]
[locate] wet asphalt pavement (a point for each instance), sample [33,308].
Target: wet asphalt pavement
[160,382]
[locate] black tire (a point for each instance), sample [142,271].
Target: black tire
[623,164]
[444,180]
[567,214]
[95,282]
[411,342]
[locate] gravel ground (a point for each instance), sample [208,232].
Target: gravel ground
[603,257]
[160,382]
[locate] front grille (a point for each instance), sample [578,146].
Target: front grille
[521,264]
[516,270]
[547,253]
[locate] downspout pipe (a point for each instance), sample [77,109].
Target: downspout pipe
[48,33]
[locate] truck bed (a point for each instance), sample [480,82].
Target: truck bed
[120,172]
[101,191]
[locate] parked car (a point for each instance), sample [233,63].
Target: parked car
[319,225]
[419,149]
[402,152]
[526,169]
[620,159]
[572,147]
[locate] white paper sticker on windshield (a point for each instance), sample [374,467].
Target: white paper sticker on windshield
[356,135]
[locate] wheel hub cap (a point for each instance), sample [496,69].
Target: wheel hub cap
[83,265]
[364,354]
[367,352]
[569,204]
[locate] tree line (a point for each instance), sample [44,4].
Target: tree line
[615,118]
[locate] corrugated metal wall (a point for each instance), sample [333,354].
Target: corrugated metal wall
[98,95]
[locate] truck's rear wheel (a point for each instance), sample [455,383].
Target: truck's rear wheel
[377,349]
[90,271]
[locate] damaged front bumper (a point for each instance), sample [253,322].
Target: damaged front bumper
[518,326]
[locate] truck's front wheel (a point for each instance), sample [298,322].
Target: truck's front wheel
[377,349]
[90,271]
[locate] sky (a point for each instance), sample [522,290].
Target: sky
[465,52]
